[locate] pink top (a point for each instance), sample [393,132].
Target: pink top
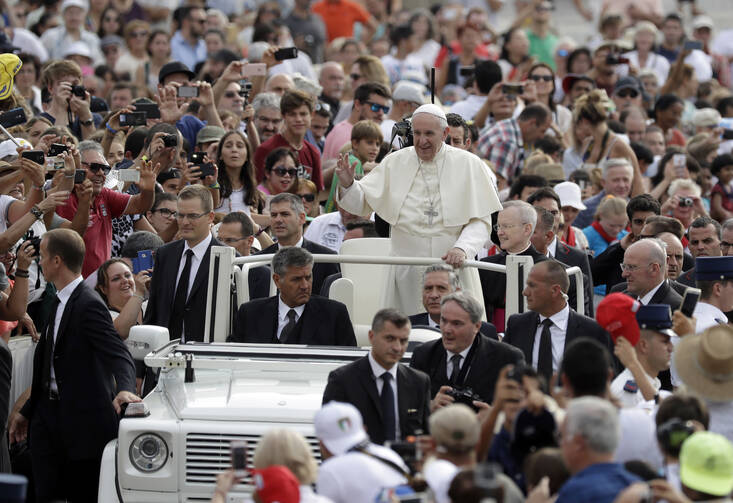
[339,136]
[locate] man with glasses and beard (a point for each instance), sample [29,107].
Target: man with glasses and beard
[187,44]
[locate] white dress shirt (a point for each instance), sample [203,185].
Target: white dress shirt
[558,332]
[282,314]
[552,248]
[377,371]
[433,324]
[198,255]
[449,364]
[63,295]
[633,399]
[299,244]
[648,297]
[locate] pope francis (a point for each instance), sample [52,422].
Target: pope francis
[438,200]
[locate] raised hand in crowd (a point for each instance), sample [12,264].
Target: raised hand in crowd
[171,108]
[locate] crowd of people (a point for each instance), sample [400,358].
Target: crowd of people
[137,134]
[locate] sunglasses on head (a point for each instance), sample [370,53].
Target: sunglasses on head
[376,107]
[537,78]
[323,106]
[308,197]
[285,171]
[627,93]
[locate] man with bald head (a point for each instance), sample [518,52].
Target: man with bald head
[422,192]
[645,269]
[279,83]
[332,80]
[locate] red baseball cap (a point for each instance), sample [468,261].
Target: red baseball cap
[616,313]
[276,484]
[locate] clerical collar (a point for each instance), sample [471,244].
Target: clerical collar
[520,252]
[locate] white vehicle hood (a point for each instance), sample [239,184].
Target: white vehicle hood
[245,395]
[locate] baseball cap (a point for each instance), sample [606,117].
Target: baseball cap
[408,91]
[8,148]
[627,83]
[9,66]
[174,67]
[109,40]
[207,134]
[276,484]
[455,428]
[569,193]
[572,78]
[78,48]
[340,427]
[167,175]
[702,21]
[82,4]
[706,463]
[616,313]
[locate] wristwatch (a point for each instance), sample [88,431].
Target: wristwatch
[37,213]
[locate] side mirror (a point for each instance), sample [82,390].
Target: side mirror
[146,338]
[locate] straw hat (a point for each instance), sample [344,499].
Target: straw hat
[705,362]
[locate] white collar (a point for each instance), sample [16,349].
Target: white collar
[648,297]
[714,311]
[378,370]
[431,323]
[463,353]
[66,291]
[299,244]
[522,251]
[560,318]
[200,249]
[283,308]
[552,248]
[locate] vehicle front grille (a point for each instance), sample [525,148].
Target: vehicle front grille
[208,454]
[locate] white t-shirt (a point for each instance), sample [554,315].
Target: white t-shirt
[357,478]
[327,230]
[638,439]
[632,399]
[235,202]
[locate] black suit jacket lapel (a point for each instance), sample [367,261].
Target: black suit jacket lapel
[529,329]
[306,326]
[660,295]
[573,328]
[271,313]
[368,382]
[202,275]
[169,271]
[65,316]
[403,391]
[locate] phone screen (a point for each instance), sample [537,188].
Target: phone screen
[239,457]
[689,301]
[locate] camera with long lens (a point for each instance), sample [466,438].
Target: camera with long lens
[403,131]
[465,396]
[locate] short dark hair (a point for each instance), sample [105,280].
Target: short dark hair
[455,120]
[545,219]
[549,144]
[487,75]
[399,33]
[684,406]
[161,127]
[642,152]
[135,141]
[161,197]
[720,162]
[523,181]
[68,245]
[666,101]
[391,315]
[706,286]
[586,363]
[544,193]
[642,202]
[661,223]
[292,256]
[141,240]
[365,90]
[536,111]
[546,462]
[295,98]
[247,229]
[704,221]
[724,104]
[367,226]
[556,274]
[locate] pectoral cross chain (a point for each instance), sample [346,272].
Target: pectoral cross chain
[430,213]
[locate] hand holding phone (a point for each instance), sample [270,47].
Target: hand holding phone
[188,92]
[689,301]
[286,53]
[239,457]
[34,155]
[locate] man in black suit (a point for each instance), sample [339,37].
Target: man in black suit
[705,237]
[294,316]
[181,270]
[393,399]
[645,269]
[543,332]
[82,374]
[287,217]
[440,280]
[237,230]
[462,357]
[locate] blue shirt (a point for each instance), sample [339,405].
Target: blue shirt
[599,483]
[189,126]
[586,216]
[185,53]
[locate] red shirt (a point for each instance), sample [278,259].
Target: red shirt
[308,156]
[339,17]
[107,205]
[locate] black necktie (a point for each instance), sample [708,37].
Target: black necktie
[544,360]
[48,348]
[456,362]
[179,302]
[288,328]
[388,407]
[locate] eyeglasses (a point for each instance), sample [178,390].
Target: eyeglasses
[504,227]
[96,167]
[285,171]
[631,267]
[376,107]
[627,93]
[190,216]
[230,241]
[165,212]
[139,34]
[355,76]
[537,78]
[308,197]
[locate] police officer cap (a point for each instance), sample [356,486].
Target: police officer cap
[712,268]
[656,317]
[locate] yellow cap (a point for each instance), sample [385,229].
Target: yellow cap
[9,66]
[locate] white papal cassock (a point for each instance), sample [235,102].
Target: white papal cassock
[401,189]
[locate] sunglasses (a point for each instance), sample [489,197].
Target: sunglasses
[376,107]
[285,171]
[537,78]
[139,34]
[308,197]
[96,167]
[627,93]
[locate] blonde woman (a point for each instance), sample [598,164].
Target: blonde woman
[289,448]
[609,224]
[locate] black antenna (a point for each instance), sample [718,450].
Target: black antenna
[432,85]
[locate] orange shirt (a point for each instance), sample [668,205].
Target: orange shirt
[339,17]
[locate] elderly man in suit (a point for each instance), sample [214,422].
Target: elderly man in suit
[438,281]
[393,399]
[294,316]
[181,269]
[287,215]
[462,357]
[543,332]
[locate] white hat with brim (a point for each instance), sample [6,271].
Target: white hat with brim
[340,427]
[82,4]
[8,148]
[569,194]
[78,48]
[704,363]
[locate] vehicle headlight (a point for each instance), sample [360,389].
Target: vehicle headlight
[148,452]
